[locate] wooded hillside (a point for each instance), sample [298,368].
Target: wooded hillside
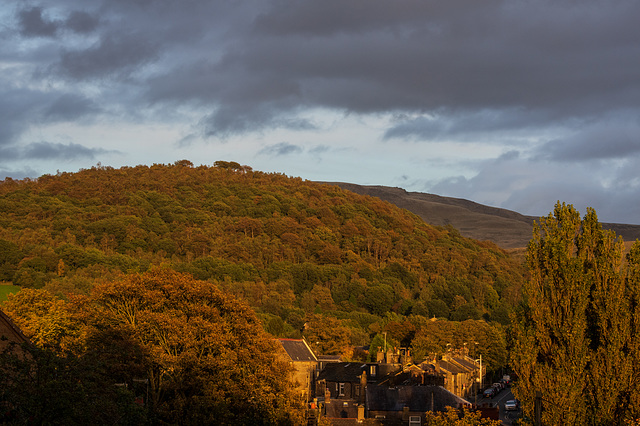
[309,258]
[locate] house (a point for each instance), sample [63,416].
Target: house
[9,332]
[304,362]
[407,405]
[341,386]
[460,372]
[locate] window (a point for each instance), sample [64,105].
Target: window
[414,421]
[341,390]
[357,390]
[372,371]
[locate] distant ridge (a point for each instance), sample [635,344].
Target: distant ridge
[506,228]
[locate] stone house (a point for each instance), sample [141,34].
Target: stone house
[305,364]
[461,374]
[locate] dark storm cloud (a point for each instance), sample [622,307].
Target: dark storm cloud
[459,54]
[256,65]
[526,64]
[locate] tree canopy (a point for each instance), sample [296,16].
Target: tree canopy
[576,339]
[297,252]
[204,355]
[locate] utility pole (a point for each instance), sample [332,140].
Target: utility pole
[481,371]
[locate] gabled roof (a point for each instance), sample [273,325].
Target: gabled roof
[466,363]
[451,367]
[298,350]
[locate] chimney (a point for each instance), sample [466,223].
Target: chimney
[363,387]
[405,413]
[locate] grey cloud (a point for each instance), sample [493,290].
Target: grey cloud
[233,119]
[69,107]
[280,149]
[447,124]
[319,149]
[599,142]
[34,24]
[50,151]
[18,108]
[81,22]
[17,173]
[533,186]
[22,108]
[518,64]
[114,55]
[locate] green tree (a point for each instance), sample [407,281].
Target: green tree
[575,338]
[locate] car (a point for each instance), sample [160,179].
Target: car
[512,405]
[489,392]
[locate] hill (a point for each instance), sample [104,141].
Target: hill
[311,259]
[506,228]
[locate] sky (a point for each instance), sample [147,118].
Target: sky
[511,103]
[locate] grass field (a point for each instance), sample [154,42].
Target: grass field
[6,289]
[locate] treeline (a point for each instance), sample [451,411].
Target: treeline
[300,253]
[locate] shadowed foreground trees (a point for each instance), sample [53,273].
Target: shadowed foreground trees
[205,355]
[576,340]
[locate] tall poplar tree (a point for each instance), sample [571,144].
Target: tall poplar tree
[574,340]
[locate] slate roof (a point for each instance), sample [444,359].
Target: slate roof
[342,372]
[451,367]
[417,398]
[466,363]
[298,350]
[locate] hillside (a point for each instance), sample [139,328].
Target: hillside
[311,259]
[505,228]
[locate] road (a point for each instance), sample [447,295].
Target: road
[505,395]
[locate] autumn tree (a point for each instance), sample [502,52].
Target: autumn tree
[455,417]
[208,359]
[575,339]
